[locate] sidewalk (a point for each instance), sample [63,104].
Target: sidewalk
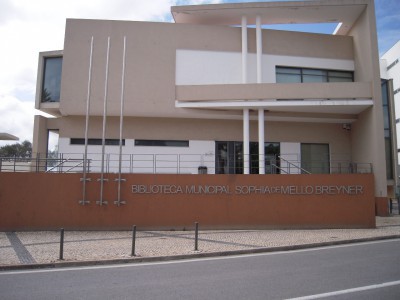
[42,249]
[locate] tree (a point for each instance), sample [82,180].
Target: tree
[22,150]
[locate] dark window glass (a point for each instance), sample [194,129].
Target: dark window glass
[288,78]
[389,158]
[108,142]
[51,79]
[386,117]
[162,143]
[288,75]
[293,75]
[315,72]
[392,64]
[314,78]
[238,157]
[340,74]
[387,129]
[222,158]
[229,157]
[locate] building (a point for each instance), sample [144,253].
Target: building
[390,70]
[4,136]
[215,92]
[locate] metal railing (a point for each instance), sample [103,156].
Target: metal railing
[173,164]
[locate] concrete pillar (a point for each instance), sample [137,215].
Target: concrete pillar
[246,119]
[261,122]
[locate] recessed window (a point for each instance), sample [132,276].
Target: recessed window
[162,143]
[98,142]
[302,75]
[387,128]
[51,79]
[392,64]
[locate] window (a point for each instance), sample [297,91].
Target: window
[229,157]
[162,143]
[51,79]
[301,75]
[387,129]
[315,158]
[98,142]
[288,75]
[392,64]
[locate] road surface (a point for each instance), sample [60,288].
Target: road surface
[359,271]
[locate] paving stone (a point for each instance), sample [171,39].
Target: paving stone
[43,246]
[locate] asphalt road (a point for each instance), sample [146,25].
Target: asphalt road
[361,271]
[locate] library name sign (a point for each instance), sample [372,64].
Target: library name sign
[248,189]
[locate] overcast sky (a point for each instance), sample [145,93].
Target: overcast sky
[28,27]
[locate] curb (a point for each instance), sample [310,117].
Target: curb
[136,260]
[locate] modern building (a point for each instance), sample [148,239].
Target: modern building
[4,136]
[390,71]
[216,92]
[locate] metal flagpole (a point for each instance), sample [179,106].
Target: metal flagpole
[121,125]
[102,179]
[84,179]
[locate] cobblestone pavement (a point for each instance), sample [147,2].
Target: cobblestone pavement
[27,248]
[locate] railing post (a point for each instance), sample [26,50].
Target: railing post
[133,240]
[196,237]
[62,244]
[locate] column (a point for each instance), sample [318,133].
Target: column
[246,120]
[261,123]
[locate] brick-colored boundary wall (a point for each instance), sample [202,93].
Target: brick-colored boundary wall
[40,201]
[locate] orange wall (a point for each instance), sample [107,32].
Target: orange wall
[32,201]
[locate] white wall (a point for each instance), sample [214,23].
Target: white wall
[140,159]
[393,73]
[216,67]
[291,158]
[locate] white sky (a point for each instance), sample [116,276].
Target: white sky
[28,27]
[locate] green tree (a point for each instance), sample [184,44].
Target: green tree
[22,150]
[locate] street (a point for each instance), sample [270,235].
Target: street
[358,271]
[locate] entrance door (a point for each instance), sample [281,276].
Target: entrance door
[229,157]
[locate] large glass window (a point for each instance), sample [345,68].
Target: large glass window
[299,75]
[315,158]
[340,76]
[288,75]
[51,79]
[229,158]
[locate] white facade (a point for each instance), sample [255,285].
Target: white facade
[390,69]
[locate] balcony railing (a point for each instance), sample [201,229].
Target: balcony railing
[174,164]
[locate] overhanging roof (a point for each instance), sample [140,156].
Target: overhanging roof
[8,137]
[304,12]
[348,106]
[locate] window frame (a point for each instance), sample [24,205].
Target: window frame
[302,72]
[161,143]
[43,78]
[95,142]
